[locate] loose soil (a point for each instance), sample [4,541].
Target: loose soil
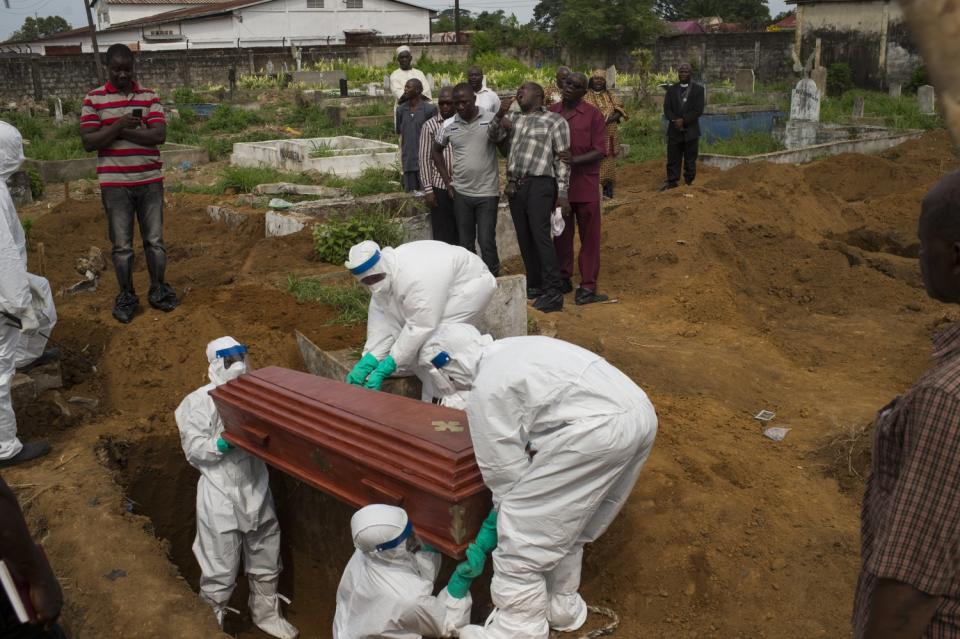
[788,288]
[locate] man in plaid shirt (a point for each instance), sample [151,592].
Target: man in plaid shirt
[537,181]
[909,583]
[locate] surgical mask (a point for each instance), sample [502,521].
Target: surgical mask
[235,371]
[381,287]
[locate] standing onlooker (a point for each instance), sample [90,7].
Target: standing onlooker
[124,123]
[442,222]
[612,109]
[910,519]
[537,181]
[411,114]
[588,145]
[399,78]
[683,105]
[554,93]
[475,184]
[487,99]
[27,560]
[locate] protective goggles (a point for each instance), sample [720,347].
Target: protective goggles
[232,355]
[396,541]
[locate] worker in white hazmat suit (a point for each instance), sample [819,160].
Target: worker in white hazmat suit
[21,302]
[387,587]
[414,288]
[560,437]
[235,513]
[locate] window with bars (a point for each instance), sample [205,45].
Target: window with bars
[354,4]
[314,4]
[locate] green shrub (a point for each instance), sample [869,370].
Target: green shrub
[350,302]
[839,78]
[186,95]
[27,225]
[30,128]
[332,240]
[37,186]
[918,78]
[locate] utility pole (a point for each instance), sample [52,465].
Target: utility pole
[93,39]
[456,20]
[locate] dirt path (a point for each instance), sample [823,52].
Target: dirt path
[793,289]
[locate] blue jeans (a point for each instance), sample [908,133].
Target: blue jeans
[144,203]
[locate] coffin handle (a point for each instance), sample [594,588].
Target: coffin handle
[259,437]
[383,495]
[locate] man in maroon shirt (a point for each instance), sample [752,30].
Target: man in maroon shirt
[587,148]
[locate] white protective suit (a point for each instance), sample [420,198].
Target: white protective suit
[427,283]
[16,296]
[560,437]
[235,512]
[388,592]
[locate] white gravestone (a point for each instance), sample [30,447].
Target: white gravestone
[804,122]
[926,96]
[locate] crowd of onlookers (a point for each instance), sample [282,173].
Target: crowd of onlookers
[561,145]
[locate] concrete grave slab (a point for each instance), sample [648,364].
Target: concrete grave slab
[66,170]
[344,155]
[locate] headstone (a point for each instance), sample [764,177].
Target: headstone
[926,96]
[431,83]
[386,83]
[325,78]
[744,81]
[612,76]
[445,81]
[819,75]
[895,89]
[858,103]
[58,111]
[269,67]
[804,122]
[372,89]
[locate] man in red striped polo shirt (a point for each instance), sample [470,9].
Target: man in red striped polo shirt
[124,123]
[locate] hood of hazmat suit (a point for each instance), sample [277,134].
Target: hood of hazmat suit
[386,590]
[427,283]
[14,287]
[560,436]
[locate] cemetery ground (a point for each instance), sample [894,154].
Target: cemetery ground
[794,289]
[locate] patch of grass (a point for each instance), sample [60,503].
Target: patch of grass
[57,148]
[227,119]
[332,240]
[644,135]
[381,107]
[373,181]
[898,113]
[186,95]
[322,151]
[743,144]
[350,303]
[243,179]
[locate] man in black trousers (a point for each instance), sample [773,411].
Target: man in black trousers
[683,106]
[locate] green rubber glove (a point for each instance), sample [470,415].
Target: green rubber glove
[363,368]
[384,370]
[224,446]
[487,537]
[458,587]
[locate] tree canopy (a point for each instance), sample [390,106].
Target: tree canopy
[739,11]
[34,28]
[588,25]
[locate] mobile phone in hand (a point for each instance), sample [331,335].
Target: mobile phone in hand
[138,113]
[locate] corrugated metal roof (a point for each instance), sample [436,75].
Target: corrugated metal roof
[161,2]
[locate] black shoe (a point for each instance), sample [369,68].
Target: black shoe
[549,302]
[608,190]
[30,450]
[125,307]
[666,186]
[49,355]
[566,286]
[688,182]
[586,296]
[163,298]
[533,292]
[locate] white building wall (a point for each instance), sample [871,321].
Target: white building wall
[865,17]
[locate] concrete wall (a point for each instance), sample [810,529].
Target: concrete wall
[717,56]
[871,36]
[75,75]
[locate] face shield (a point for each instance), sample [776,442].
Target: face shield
[228,360]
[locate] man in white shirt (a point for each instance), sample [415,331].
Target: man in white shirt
[487,99]
[399,78]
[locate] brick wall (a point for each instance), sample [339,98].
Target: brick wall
[74,75]
[719,55]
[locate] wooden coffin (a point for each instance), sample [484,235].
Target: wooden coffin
[362,447]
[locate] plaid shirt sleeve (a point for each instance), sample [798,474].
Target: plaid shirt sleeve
[919,542]
[496,132]
[561,142]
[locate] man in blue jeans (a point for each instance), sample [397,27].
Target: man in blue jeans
[475,183]
[124,123]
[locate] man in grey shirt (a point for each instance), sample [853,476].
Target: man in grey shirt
[475,184]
